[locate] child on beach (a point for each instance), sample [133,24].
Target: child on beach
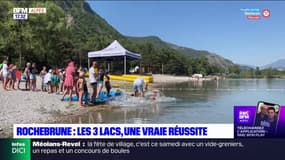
[33,78]
[47,81]
[75,79]
[82,89]
[62,78]
[108,84]
[1,66]
[27,73]
[9,77]
[4,73]
[55,82]
[12,76]
[18,78]
[42,75]
[100,80]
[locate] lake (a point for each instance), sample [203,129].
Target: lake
[191,102]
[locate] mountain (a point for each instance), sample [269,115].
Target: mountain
[71,28]
[85,19]
[246,67]
[279,64]
[213,59]
[103,28]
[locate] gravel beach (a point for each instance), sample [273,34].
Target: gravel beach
[19,107]
[22,107]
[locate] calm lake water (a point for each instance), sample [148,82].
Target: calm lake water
[191,102]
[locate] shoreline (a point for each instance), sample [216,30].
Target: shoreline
[23,107]
[28,107]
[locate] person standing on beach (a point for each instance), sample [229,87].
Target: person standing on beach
[27,73]
[93,73]
[42,75]
[33,78]
[47,81]
[69,80]
[4,72]
[18,77]
[9,77]
[100,81]
[55,82]
[62,78]
[82,89]
[75,79]
[12,76]
[1,65]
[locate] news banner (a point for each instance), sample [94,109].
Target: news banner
[142,141]
[120,131]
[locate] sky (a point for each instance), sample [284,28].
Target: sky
[219,27]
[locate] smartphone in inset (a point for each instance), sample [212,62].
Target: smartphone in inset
[267,116]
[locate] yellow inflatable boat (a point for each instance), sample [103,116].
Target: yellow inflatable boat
[128,77]
[131,77]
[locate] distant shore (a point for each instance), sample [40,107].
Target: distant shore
[162,78]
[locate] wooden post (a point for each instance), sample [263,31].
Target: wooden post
[125,64]
[108,66]
[88,63]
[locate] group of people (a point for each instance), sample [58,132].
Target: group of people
[11,75]
[74,80]
[52,80]
[68,81]
[267,119]
[7,75]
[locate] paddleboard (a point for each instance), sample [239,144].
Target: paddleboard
[103,97]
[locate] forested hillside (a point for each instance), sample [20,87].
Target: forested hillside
[70,29]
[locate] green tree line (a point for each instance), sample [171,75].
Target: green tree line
[69,30]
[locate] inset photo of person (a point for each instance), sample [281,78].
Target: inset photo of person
[267,117]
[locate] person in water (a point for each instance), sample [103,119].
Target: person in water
[108,84]
[139,86]
[154,95]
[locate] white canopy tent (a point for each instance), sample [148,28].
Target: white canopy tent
[114,50]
